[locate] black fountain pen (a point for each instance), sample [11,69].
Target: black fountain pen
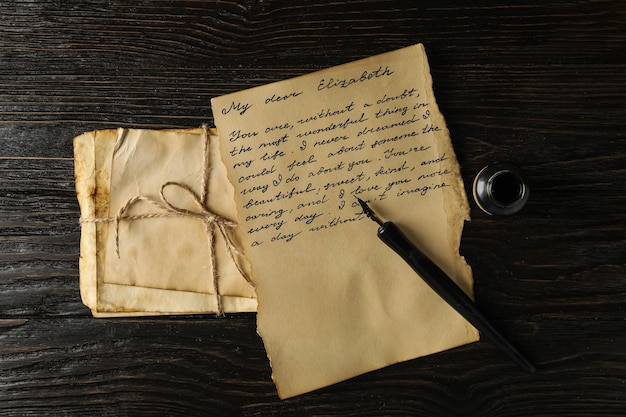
[443,285]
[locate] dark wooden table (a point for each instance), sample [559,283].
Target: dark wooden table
[539,83]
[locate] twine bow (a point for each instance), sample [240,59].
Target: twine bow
[213,223]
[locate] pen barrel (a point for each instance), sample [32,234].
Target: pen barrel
[447,289]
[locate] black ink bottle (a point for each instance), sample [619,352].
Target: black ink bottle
[500,189]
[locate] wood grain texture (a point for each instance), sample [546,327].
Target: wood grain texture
[540,84]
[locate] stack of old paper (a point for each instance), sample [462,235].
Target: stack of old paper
[149,243]
[167,220]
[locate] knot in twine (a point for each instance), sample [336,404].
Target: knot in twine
[213,223]
[168,209]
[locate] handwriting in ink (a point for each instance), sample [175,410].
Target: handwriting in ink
[357,178]
[353,164]
[265,171]
[279,179]
[283,126]
[238,107]
[412,92]
[430,128]
[402,136]
[392,153]
[442,158]
[294,192]
[392,170]
[324,113]
[237,151]
[391,111]
[276,99]
[245,164]
[314,202]
[391,185]
[366,130]
[336,221]
[273,213]
[277,142]
[440,172]
[259,187]
[422,190]
[275,225]
[323,170]
[272,156]
[333,126]
[309,188]
[311,160]
[236,135]
[308,218]
[345,149]
[347,82]
[331,140]
[359,190]
[288,189]
[286,237]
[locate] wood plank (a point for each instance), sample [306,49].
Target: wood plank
[217,365]
[539,84]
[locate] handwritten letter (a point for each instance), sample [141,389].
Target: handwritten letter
[298,153]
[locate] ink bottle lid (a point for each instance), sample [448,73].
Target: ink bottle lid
[500,189]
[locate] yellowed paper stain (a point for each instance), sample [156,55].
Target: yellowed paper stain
[334,301]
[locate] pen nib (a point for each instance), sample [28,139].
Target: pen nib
[368,211]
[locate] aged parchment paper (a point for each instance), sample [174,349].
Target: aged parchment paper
[334,301]
[164,264]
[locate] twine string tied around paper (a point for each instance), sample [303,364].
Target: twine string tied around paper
[165,208]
